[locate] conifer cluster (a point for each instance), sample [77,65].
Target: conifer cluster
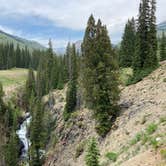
[71,65]
[8,119]
[100,75]
[16,57]
[146,37]
[127,48]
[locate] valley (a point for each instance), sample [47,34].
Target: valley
[93,93]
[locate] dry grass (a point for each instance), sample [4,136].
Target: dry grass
[12,78]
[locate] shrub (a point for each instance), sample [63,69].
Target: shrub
[144,138]
[80,149]
[154,143]
[163,153]
[151,128]
[92,156]
[164,80]
[139,75]
[136,139]
[112,156]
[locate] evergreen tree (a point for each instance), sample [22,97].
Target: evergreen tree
[88,53]
[12,155]
[41,78]
[92,156]
[103,75]
[71,97]
[146,41]
[36,128]
[30,85]
[49,67]
[163,47]
[151,60]
[128,44]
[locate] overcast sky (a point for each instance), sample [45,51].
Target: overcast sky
[65,20]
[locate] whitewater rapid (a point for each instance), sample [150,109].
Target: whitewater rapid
[22,133]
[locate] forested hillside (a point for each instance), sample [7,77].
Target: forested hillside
[97,105]
[31,45]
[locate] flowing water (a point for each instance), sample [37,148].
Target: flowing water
[23,136]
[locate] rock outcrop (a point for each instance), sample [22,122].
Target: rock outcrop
[143,105]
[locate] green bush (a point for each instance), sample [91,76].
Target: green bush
[151,128]
[164,80]
[139,75]
[112,156]
[136,139]
[154,143]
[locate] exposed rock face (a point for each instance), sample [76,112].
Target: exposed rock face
[141,104]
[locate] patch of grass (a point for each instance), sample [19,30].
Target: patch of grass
[80,148]
[125,74]
[163,153]
[124,149]
[162,119]
[135,152]
[112,156]
[151,128]
[136,139]
[144,138]
[13,76]
[154,143]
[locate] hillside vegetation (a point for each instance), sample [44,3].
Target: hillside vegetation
[7,38]
[137,137]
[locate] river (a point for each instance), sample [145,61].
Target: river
[22,133]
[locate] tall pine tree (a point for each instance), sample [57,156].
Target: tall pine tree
[101,75]
[71,97]
[127,48]
[92,156]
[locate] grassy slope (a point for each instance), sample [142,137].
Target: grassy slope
[13,77]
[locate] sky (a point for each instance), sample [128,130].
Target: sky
[65,20]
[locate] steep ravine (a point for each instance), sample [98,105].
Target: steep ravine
[142,105]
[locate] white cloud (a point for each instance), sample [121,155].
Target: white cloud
[73,14]
[10,31]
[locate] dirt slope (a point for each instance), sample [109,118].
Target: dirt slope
[138,136]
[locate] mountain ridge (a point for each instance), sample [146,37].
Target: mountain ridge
[31,45]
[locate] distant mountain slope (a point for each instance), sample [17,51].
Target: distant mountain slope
[7,38]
